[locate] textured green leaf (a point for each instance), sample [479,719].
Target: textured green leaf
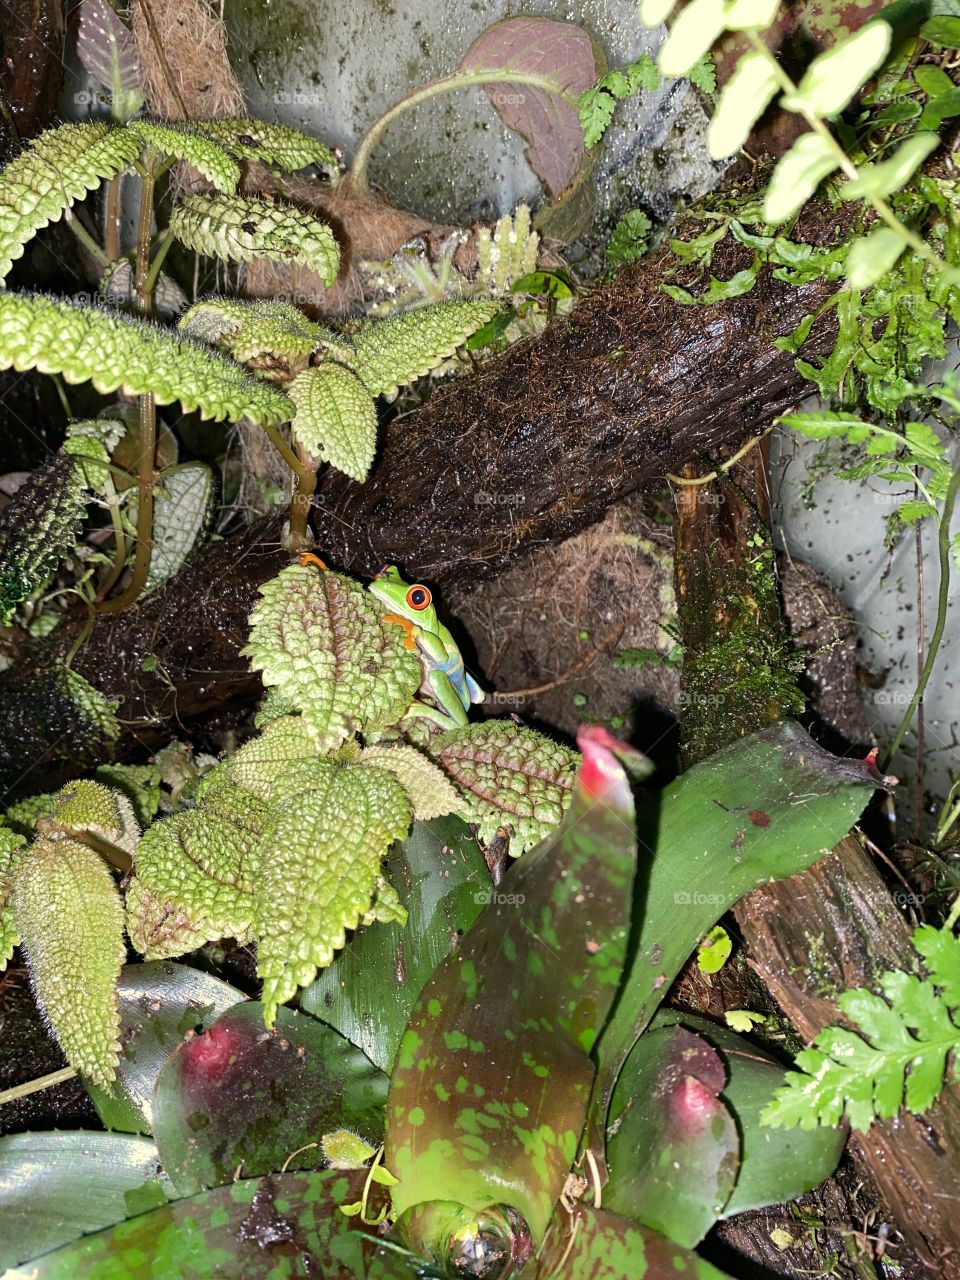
[159,1003]
[181,142]
[508,776]
[70,920]
[281,1226]
[195,875]
[797,176]
[53,171]
[319,867]
[429,790]
[318,638]
[56,1187]
[596,1245]
[673,1149]
[369,990]
[182,509]
[275,144]
[254,230]
[13,848]
[117,352]
[389,353]
[336,418]
[745,97]
[489,1089]
[234,1098]
[766,807]
[871,258]
[275,338]
[834,77]
[262,765]
[85,805]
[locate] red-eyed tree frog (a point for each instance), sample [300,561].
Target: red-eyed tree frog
[444,676]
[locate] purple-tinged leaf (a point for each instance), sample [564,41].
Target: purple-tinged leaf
[108,51]
[559,61]
[489,1089]
[605,1246]
[281,1226]
[674,1151]
[239,1097]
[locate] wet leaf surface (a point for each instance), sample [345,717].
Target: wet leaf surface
[608,1247]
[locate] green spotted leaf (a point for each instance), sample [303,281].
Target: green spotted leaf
[181,142]
[429,790]
[275,338]
[318,638]
[508,776]
[320,862]
[596,1245]
[13,848]
[117,352]
[389,353]
[61,166]
[491,1081]
[336,418]
[254,230]
[274,144]
[69,917]
[195,875]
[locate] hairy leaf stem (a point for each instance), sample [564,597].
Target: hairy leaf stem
[34,1086]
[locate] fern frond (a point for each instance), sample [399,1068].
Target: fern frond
[389,353]
[117,352]
[54,170]
[252,230]
[336,418]
[275,144]
[899,1056]
[207,157]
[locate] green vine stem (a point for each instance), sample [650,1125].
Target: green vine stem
[433,89]
[85,238]
[943,599]
[34,1086]
[877,203]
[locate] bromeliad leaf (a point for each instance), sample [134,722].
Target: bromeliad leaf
[592,1244]
[207,157]
[275,338]
[54,170]
[508,776]
[319,866]
[69,916]
[274,144]
[336,418]
[318,638]
[389,353]
[490,1085]
[195,874]
[118,353]
[254,230]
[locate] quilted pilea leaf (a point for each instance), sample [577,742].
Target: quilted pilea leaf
[234,1098]
[13,847]
[673,1149]
[318,638]
[118,352]
[182,510]
[319,866]
[38,527]
[508,776]
[389,353]
[179,141]
[765,807]
[490,1086]
[69,916]
[195,874]
[429,790]
[336,418]
[160,1001]
[254,230]
[281,1226]
[369,990]
[592,1244]
[53,171]
[90,806]
[90,706]
[263,764]
[275,338]
[274,144]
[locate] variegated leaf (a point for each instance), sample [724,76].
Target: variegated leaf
[336,418]
[183,505]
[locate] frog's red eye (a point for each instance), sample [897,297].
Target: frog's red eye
[418,597]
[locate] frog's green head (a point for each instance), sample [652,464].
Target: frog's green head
[412,601]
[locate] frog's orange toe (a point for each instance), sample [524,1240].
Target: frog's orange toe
[309,558]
